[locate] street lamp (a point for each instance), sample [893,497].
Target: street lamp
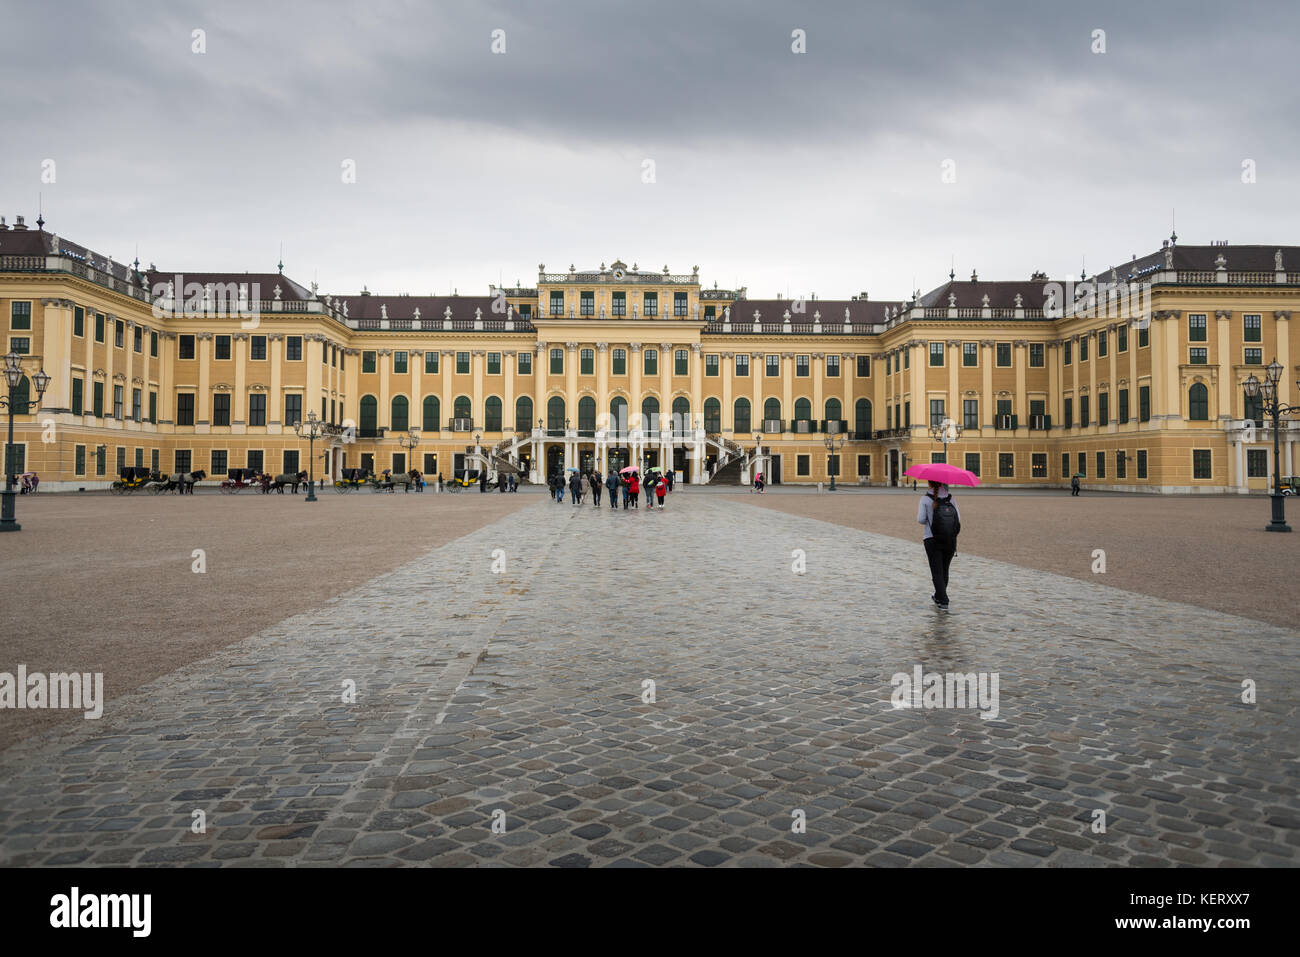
[947,431]
[13,372]
[1272,405]
[313,429]
[409,441]
[834,441]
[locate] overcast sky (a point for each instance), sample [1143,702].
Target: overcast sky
[791,173]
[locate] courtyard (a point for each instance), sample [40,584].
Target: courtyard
[475,679]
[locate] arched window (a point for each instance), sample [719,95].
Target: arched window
[1198,402]
[431,414]
[833,410]
[401,420]
[802,409]
[523,414]
[712,415]
[587,414]
[492,414]
[771,411]
[681,414]
[862,418]
[461,407]
[740,416]
[555,414]
[618,415]
[649,412]
[369,425]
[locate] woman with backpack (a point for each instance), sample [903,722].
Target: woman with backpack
[937,512]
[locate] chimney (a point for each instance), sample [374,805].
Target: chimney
[19,224]
[3,226]
[863,295]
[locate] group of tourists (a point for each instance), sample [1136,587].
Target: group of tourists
[630,483]
[505,482]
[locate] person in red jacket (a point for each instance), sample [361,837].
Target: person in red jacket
[633,488]
[661,490]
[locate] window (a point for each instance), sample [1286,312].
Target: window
[650,362]
[973,463]
[293,409]
[587,302]
[153,407]
[772,415]
[907,359]
[742,365]
[801,366]
[401,363]
[557,303]
[712,415]
[21,345]
[1066,351]
[429,414]
[1142,463]
[1144,403]
[1101,465]
[524,363]
[185,408]
[1101,344]
[221,409]
[137,339]
[462,361]
[1068,422]
[1256,463]
[970,354]
[1038,465]
[970,413]
[101,459]
[293,350]
[740,418]
[620,362]
[1085,416]
[650,304]
[153,344]
[79,330]
[1251,330]
[99,327]
[117,402]
[681,362]
[1006,465]
[460,407]
[1123,406]
[618,304]
[369,364]
[186,347]
[1198,403]
[431,361]
[709,313]
[182,460]
[555,414]
[679,304]
[1036,357]
[20,315]
[1198,356]
[864,367]
[1121,339]
[257,409]
[79,460]
[802,465]
[1103,408]
[1065,465]
[710,365]
[1254,410]
[802,410]
[219,462]
[936,412]
[1144,337]
[78,396]
[492,414]
[936,353]
[864,466]
[833,367]
[222,347]
[97,392]
[907,415]
[119,333]
[1196,328]
[773,366]
[833,466]
[1004,354]
[1254,357]
[257,347]
[1083,348]
[1201,464]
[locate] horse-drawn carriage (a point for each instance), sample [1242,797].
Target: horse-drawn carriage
[389,481]
[239,479]
[181,482]
[352,479]
[462,478]
[132,479]
[292,479]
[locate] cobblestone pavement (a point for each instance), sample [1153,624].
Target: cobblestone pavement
[517,697]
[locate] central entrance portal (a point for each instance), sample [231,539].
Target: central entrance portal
[617,459]
[587,460]
[554,460]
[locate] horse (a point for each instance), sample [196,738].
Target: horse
[289,478]
[392,479]
[184,481]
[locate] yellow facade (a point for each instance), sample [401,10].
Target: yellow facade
[172,380]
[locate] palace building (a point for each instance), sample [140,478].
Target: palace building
[1132,378]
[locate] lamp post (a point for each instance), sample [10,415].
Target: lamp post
[758,453]
[13,372]
[1272,406]
[410,440]
[313,429]
[834,442]
[947,432]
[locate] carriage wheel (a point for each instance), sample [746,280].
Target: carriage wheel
[117,488]
[342,487]
[155,488]
[227,488]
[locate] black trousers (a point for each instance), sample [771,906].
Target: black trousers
[940,557]
[595,495]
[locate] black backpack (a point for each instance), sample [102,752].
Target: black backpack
[944,523]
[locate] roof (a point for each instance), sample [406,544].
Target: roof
[1002,294]
[830,310]
[18,241]
[1202,259]
[371,306]
[264,281]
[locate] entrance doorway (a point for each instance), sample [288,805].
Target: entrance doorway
[554,460]
[774,478]
[525,465]
[893,467]
[587,460]
[617,458]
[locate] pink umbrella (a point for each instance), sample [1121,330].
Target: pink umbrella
[942,472]
[630,468]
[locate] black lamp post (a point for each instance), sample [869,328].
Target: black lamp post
[410,440]
[1272,406]
[946,431]
[313,429]
[834,442]
[13,372]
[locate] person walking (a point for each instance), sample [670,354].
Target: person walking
[575,487]
[584,488]
[651,481]
[661,489]
[612,485]
[1074,485]
[938,513]
[672,479]
[597,482]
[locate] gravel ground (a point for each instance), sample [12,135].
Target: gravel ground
[1206,551]
[100,583]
